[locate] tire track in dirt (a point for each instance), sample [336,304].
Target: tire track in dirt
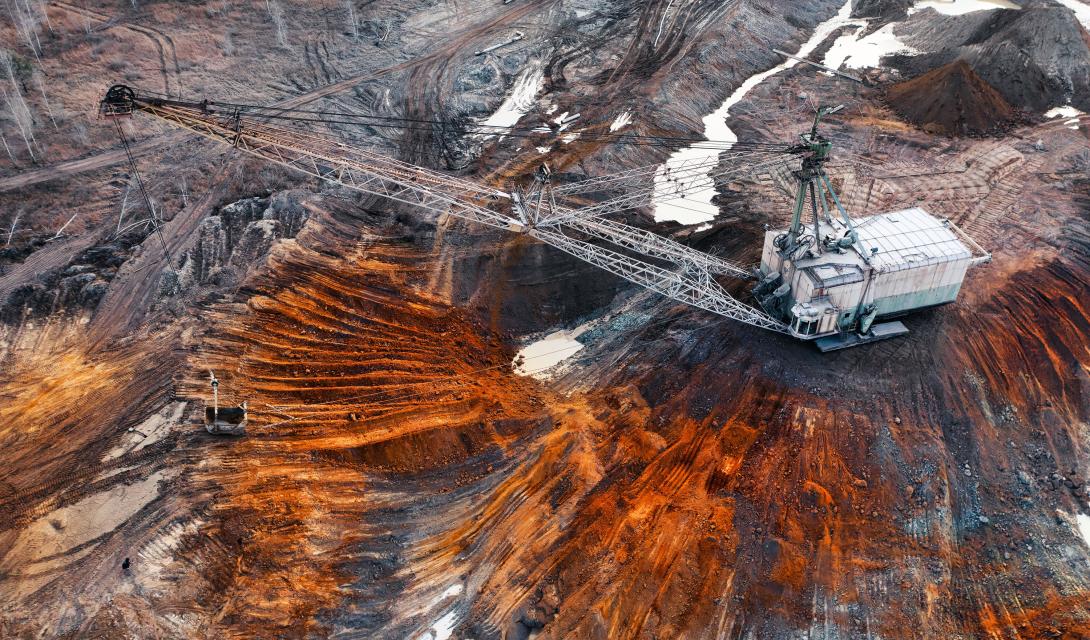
[164,44]
[173,138]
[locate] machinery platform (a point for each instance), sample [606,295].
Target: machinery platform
[878,332]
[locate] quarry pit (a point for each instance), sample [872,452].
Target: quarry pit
[654,470]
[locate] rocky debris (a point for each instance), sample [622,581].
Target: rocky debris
[238,234]
[953,101]
[18,252]
[533,616]
[1036,58]
[884,10]
[79,285]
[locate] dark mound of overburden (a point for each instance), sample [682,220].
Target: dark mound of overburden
[1037,57]
[952,100]
[882,9]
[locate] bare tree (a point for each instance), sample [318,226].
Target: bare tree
[17,105]
[27,19]
[11,231]
[276,13]
[45,99]
[64,226]
[352,18]
[8,149]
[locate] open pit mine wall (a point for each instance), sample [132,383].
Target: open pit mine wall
[701,480]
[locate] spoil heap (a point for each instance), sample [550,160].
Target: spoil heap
[1037,57]
[951,100]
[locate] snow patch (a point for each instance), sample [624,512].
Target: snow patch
[538,358]
[1083,522]
[1070,113]
[451,591]
[564,120]
[519,101]
[698,207]
[443,628]
[1063,112]
[854,52]
[1081,9]
[961,7]
[621,121]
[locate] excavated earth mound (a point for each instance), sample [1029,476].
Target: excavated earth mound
[952,100]
[1037,57]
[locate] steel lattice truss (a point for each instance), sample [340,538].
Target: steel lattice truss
[644,258]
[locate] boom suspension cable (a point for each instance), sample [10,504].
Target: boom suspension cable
[144,195]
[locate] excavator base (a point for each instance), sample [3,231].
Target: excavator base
[878,332]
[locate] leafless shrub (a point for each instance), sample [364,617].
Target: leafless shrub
[276,13]
[16,104]
[1081,161]
[79,134]
[351,6]
[215,10]
[27,16]
[7,149]
[228,44]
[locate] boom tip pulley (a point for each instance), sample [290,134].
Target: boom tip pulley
[120,100]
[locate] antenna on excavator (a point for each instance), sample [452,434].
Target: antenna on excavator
[215,394]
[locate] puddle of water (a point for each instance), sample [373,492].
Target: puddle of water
[538,358]
[961,7]
[697,206]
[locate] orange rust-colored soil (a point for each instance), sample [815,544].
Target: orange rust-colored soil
[952,100]
[684,476]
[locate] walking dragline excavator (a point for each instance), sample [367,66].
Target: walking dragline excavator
[833,281]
